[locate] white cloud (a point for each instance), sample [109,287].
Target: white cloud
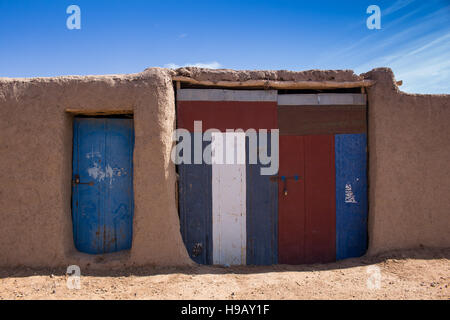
[424,65]
[396,6]
[208,65]
[418,53]
[356,49]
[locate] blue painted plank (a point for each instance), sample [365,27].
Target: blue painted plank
[195,207]
[102,213]
[262,214]
[351,195]
[118,184]
[87,205]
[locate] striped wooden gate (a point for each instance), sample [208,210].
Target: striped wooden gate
[314,209]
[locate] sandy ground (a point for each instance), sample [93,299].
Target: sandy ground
[417,274]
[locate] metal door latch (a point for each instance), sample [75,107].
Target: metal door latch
[284,179]
[77,181]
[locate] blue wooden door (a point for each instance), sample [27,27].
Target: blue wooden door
[102,184]
[351,195]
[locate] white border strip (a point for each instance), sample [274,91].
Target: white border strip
[322,99]
[226,95]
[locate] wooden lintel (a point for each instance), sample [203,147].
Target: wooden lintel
[98,112]
[269,84]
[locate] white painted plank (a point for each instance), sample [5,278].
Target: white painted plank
[226,95]
[322,99]
[342,98]
[229,200]
[297,99]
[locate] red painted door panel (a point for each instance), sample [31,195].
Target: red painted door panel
[320,197]
[306,214]
[291,207]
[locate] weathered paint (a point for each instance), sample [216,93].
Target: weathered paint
[227,109]
[222,110]
[322,99]
[291,206]
[351,195]
[262,214]
[223,115]
[306,207]
[195,207]
[320,199]
[226,95]
[228,201]
[102,203]
[320,120]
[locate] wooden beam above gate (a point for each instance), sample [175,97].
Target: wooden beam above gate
[270,84]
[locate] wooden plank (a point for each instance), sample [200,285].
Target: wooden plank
[262,214]
[322,99]
[291,207]
[297,99]
[351,195]
[88,202]
[271,84]
[226,95]
[195,207]
[342,99]
[223,115]
[118,184]
[229,204]
[313,120]
[320,199]
[98,112]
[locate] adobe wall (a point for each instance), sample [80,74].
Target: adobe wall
[409,167]
[36,166]
[409,156]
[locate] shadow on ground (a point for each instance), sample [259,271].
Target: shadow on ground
[422,254]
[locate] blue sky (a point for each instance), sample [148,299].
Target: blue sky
[129,36]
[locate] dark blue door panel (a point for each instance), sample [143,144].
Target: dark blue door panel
[351,195]
[102,201]
[262,214]
[195,207]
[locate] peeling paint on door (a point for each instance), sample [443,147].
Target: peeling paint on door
[349,196]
